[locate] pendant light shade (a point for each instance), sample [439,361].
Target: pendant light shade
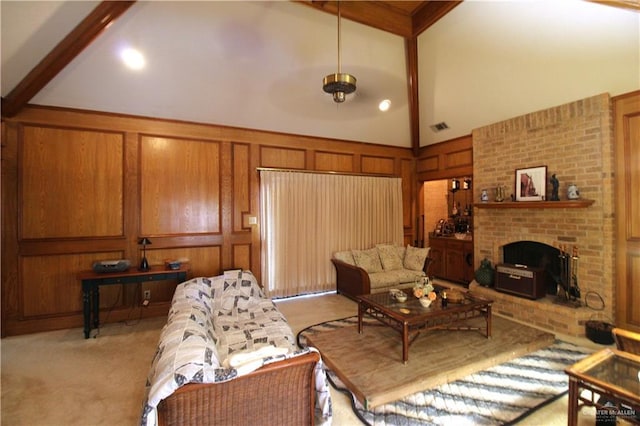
[339,84]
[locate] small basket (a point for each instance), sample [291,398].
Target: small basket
[599,332]
[455,296]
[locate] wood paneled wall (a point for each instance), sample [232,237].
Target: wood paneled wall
[445,160]
[453,158]
[627,208]
[80,186]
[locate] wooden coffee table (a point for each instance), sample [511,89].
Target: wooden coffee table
[410,317]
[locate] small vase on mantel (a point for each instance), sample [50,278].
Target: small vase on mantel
[485,273]
[572,192]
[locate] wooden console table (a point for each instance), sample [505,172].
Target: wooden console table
[91,282]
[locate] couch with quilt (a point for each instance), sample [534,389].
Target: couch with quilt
[379,269]
[228,356]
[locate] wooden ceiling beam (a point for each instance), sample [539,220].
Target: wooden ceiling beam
[61,55]
[621,4]
[411,47]
[429,13]
[372,13]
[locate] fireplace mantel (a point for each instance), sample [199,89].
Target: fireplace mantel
[535,204]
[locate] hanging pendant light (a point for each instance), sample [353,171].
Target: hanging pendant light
[338,84]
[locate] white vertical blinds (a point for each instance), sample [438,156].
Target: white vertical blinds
[306,217]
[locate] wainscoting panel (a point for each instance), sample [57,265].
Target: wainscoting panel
[166,199]
[50,285]
[446,160]
[84,169]
[241,186]
[459,159]
[428,164]
[285,158]
[377,165]
[204,261]
[241,254]
[333,161]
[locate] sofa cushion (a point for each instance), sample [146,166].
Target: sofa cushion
[390,279]
[244,319]
[367,260]
[415,257]
[389,257]
[345,256]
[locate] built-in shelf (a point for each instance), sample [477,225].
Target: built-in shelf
[535,204]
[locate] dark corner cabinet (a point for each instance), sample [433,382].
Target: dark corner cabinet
[452,259]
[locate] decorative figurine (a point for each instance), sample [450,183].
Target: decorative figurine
[484,196]
[554,191]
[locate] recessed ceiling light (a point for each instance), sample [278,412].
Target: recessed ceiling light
[132,58]
[384,105]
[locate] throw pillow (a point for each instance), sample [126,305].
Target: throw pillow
[389,257]
[368,260]
[415,256]
[345,256]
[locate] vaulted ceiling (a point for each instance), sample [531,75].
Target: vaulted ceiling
[260,64]
[404,18]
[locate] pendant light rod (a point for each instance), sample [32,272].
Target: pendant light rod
[339,85]
[339,40]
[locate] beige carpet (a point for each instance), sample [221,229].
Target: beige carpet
[371,366]
[59,378]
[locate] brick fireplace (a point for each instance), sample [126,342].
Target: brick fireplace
[575,142]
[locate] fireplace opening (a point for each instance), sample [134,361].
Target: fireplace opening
[536,255]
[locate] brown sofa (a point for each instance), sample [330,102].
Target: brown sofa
[358,273]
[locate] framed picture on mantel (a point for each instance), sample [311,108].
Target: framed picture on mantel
[531,183]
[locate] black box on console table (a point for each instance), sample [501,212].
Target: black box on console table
[523,281]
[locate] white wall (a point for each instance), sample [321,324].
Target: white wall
[488,61]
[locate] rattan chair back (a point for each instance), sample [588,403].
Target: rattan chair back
[627,340]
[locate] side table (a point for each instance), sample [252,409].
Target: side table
[612,374]
[91,282]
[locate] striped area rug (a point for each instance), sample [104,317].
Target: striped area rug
[500,395]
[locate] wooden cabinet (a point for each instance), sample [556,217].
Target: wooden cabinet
[452,259]
[438,248]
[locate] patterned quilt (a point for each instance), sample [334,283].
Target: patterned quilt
[217,329]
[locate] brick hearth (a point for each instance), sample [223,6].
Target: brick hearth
[542,312]
[575,142]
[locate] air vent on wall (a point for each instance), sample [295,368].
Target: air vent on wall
[439,127]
